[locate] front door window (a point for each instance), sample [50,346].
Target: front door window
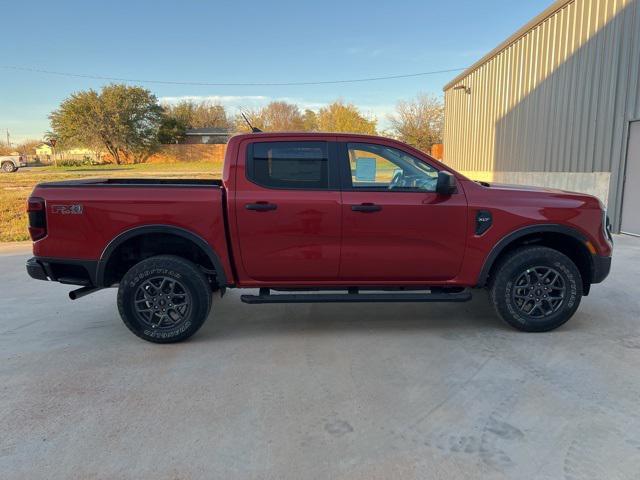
[378,167]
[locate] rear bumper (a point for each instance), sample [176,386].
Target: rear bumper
[69,271]
[601,268]
[36,270]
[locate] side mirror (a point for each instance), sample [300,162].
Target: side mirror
[446,183]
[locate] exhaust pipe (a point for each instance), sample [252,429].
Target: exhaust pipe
[81,292]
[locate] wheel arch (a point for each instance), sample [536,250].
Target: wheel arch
[559,237]
[147,231]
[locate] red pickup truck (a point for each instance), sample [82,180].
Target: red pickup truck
[319,218]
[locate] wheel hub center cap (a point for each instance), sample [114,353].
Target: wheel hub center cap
[162,302]
[539,291]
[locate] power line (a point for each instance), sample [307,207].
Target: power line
[217,84]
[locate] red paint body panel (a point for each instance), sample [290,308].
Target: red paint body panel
[111,210]
[313,238]
[514,207]
[299,241]
[415,237]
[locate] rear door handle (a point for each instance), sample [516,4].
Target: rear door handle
[366,208]
[261,206]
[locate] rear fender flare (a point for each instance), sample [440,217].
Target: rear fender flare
[151,229]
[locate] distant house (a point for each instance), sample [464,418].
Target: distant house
[45,152]
[209,135]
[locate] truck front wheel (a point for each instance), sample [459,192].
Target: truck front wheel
[164,299]
[536,289]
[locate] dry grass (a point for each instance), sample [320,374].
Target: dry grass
[16,187]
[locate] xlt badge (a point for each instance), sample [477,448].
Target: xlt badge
[484,219]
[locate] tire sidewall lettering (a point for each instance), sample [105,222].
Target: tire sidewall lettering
[180,329]
[154,271]
[507,296]
[568,304]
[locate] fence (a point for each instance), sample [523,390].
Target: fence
[167,154]
[189,153]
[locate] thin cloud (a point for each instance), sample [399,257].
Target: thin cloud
[237,102]
[213,98]
[354,50]
[243,100]
[365,52]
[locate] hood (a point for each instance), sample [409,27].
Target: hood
[507,191]
[525,188]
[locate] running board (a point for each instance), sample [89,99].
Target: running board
[266,297]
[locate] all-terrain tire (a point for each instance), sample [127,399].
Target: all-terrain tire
[164,299]
[536,289]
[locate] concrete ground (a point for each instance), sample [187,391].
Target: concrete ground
[328,391]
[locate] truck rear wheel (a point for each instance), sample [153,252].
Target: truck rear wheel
[536,289]
[8,167]
[164,299]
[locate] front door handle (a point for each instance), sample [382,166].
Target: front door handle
[261,206]
[366,208]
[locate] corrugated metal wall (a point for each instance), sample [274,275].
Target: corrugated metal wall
[558,98]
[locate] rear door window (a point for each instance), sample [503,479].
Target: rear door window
[289,165]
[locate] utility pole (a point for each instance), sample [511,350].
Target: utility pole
[8,142]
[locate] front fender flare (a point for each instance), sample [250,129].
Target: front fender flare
[508,239]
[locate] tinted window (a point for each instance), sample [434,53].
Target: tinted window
[289,164]
[380,167]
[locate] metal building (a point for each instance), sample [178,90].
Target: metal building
[556,104]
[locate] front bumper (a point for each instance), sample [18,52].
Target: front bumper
[601,268]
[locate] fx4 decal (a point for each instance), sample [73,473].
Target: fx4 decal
[67,209]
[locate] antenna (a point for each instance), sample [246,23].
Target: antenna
[253,129]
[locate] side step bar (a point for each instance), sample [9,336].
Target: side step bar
[266,297]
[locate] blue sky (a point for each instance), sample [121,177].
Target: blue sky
[240,42]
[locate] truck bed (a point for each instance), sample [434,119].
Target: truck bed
[84,217]
[138,182]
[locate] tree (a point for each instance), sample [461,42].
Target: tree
[310,121]
[341,117]
[210,115]
[274,117]
[197,115]
[282,116]
[419,122]
[172,130]
[5,149]
[124,120]
[28,147]
[50,138]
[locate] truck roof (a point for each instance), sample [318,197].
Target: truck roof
[242,136]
